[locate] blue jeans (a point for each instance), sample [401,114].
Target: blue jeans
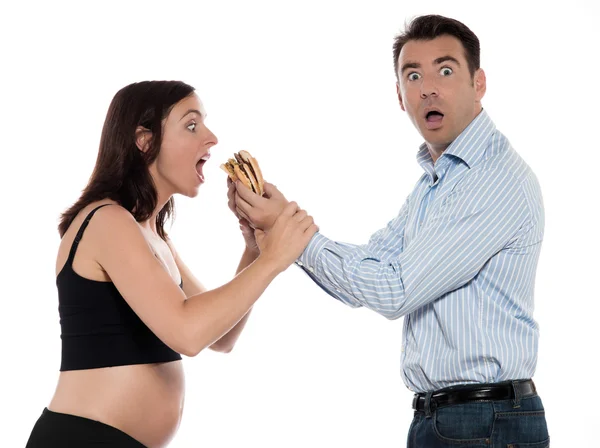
[485,424]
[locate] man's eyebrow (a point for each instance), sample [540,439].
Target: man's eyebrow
[437,61]
[446,59]
[189,111]
[408,65]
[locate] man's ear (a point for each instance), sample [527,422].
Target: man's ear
[480,84]
[142,138]
[399,93]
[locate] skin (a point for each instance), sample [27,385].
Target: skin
[432,74]
[146,401]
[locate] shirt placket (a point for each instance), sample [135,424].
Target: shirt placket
[424,206]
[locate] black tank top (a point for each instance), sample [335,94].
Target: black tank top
[98,327]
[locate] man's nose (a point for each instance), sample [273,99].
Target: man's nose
[428,88]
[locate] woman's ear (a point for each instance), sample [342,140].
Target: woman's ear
[142,138]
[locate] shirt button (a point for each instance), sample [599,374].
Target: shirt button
[299,263]
[337,290]
[311,269]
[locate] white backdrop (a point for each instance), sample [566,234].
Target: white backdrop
[307,87]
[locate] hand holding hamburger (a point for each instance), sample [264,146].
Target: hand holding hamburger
[263,207]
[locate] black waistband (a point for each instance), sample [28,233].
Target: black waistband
[58,430]
[509,390]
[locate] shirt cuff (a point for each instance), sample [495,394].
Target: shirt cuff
[309,258]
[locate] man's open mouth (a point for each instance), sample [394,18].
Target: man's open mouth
[434,115]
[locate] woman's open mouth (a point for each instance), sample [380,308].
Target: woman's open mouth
[200,165]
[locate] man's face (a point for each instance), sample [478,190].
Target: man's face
[436,88]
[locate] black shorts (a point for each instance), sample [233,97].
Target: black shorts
[54,429]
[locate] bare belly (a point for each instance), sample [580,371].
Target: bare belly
[144,401]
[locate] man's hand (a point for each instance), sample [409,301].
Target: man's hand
[260,211]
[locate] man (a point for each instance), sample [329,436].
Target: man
[459,260]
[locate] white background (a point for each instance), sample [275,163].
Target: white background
[307,87]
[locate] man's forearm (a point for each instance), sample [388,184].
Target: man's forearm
[341,271]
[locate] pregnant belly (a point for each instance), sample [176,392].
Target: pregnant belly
[144,401]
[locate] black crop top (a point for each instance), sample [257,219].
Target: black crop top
[98,327]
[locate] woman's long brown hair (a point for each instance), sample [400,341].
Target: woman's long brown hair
[121,171]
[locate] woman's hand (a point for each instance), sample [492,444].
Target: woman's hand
[245,227]
[288,237]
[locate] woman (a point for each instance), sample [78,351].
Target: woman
[128,304]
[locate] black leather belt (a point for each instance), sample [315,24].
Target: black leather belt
[475,392]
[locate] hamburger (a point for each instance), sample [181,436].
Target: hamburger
[245,168]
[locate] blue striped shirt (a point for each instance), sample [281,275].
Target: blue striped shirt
[458,262]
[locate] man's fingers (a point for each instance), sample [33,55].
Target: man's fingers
[233,208]
[248,195]
[231,188]
[241,213]
[231,194]
[270,189]
[242,203]
[245,224]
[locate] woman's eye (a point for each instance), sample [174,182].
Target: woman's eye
[192,127]
[446,71]
[413,76]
